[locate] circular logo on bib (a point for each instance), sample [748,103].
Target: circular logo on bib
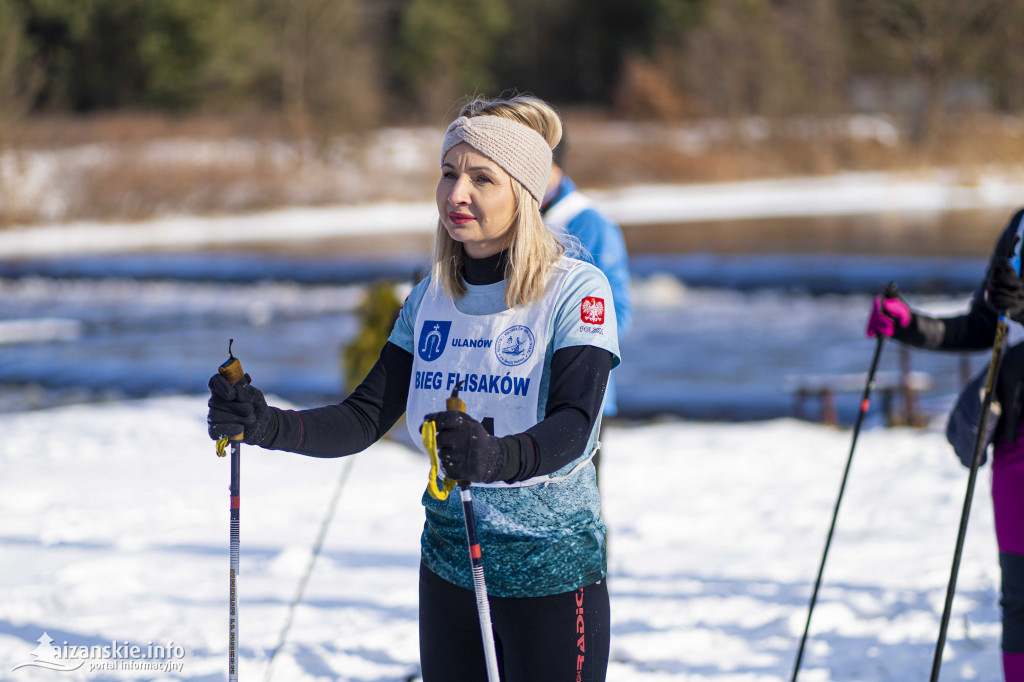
[515,345]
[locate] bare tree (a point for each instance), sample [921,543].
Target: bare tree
[759,57]
[935,40]
[21,77]
[327,69]
[1005,64]
[817,44]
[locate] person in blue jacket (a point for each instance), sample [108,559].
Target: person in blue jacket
[529,337]
[600,242]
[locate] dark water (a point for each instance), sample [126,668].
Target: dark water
[957,234]
[720,332]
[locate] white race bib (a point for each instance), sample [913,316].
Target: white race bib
[498,360]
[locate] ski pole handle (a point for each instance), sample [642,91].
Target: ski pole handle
[230,369]
[891,291]
[454,402]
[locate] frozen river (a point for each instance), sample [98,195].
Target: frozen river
[715,336]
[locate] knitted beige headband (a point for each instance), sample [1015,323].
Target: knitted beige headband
[518,149]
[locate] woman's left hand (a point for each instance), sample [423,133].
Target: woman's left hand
[466,450]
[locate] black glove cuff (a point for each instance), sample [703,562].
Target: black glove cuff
[921,332]
[264,429]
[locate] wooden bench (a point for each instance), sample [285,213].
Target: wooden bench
[889,385]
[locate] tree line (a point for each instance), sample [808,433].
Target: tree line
[350,64]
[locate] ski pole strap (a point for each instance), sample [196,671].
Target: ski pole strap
[222,444]
[429,434]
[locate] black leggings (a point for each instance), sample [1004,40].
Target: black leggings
[560,638]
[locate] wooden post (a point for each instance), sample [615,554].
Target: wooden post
[828,407]
[910,415]
[888,409]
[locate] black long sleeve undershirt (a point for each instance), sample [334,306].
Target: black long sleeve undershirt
[354,424]
[579,375]
[974,330]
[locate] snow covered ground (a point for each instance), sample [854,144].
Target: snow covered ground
[114,516]
[114,527]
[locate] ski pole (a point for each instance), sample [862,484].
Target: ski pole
[231,370]
[980,443]
[865,402]
[483,606]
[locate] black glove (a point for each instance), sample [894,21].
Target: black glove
[468,452]
[237,408]
[1004,290]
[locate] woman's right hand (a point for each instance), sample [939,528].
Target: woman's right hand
[886,314]
[1004,289]
[237,409]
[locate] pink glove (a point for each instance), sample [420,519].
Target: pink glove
[886,313]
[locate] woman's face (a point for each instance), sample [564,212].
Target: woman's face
[475,201]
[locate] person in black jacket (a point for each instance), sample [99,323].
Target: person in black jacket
[1002,291]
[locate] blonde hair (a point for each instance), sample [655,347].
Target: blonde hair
[533,248]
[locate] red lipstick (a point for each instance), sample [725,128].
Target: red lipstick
[460,218]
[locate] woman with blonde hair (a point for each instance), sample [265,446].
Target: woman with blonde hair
[529,337]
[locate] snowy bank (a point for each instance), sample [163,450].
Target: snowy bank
[845,194]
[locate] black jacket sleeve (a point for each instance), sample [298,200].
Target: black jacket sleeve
[975,330]
[579,375]
[354,424]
